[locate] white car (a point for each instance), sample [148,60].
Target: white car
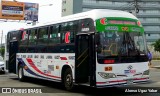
[2,65]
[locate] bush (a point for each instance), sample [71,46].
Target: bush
[2,50]
[157,45]
[156,58]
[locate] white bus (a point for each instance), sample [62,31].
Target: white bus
[98,48]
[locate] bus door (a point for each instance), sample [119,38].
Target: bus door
[13,49]
[85,59]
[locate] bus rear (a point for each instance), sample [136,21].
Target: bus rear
[121,52]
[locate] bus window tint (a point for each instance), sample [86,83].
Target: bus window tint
[43,36]
[32,37]
[54,35]
[22,49]
[61,48]
[32,49]
[24,37]
[68,31]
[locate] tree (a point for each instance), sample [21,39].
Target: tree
[2,50]
[157,45]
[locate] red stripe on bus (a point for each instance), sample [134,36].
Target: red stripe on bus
[111,81]
[117,81]
[35,68]
[100,82]
[140,78]
[63,58]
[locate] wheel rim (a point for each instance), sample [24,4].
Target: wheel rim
[68,80]
[20,73]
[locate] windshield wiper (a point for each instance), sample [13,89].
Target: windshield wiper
[128,47]
[132,49]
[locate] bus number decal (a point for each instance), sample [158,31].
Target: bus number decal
[109,68]
[85,29]
[124,28]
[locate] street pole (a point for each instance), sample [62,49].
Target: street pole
[1,42]
[135,7]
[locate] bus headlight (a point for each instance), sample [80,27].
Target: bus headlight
[107,75]
[146,72]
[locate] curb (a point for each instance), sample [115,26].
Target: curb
[155,60]
[158,67]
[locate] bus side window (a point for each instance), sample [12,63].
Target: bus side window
[54,35]
[68,31]
[32,37]
[43,36]
[24,37]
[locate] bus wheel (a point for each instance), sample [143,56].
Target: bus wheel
[68,79]
[21,76]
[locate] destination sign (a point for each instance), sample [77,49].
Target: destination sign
[122,22]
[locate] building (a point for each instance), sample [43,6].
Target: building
[71,7]
[148,11]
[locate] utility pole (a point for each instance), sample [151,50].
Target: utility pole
[136,10]
[1,41]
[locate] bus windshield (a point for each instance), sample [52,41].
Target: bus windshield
[121,46]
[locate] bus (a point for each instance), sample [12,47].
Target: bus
[98,48]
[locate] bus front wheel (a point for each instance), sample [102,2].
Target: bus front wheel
[68,79]
[21,76]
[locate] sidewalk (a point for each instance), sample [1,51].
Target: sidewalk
[155,64]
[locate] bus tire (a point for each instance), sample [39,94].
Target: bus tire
[21,76]
[68,79]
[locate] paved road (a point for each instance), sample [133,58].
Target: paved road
[56,89]
[156,63]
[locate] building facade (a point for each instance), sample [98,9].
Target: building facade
[148,11]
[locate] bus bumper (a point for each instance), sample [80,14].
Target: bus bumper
[118,84]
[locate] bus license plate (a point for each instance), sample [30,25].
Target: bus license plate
[129,81]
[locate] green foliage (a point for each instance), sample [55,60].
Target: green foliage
[157,45]
[2,50]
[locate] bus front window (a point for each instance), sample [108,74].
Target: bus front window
[121,46]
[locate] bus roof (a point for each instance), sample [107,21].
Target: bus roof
[94,14]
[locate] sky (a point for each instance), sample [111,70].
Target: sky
[46,14]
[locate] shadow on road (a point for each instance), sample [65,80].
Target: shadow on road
[54,87]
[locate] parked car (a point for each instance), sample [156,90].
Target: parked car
[2,65]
